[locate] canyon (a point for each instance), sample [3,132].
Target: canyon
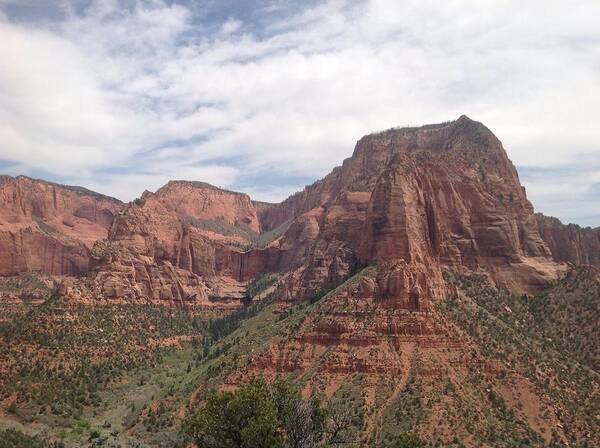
[413,201]
[388,273]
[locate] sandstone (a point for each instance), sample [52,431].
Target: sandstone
[43,227]
[182,244]
[412,201]
[570,243]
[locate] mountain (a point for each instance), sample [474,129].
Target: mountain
[570,243]
[412,286]
[50,227]
[412,200]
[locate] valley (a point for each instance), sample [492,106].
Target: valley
[413,291]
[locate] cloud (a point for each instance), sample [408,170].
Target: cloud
[144,90]
[570,191]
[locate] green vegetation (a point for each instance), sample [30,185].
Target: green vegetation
[514,330]
[356,273]
[568,315]
[75,351]
[11,438]
[220,327]
[239,229]
[116,374]
[405,413]
[106,369]
[261,284]
[43,226]
[28,286]
[263,240]
[223,326]
[259,415]
[405,440]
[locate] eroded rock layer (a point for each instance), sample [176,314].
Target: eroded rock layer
[182,244]
[410,200]
[569,242]
[49,227]
[413,200]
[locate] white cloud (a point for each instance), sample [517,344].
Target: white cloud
[121,186]
[148,91]
[231,26]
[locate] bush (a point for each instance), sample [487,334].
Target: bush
[259,415]
[246,418]
[11,438]
[405,440]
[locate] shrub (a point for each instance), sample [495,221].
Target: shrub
[260,415]
[405,440]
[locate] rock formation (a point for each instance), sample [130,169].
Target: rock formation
[50,227]
[412,201]
[569,242]
[182,244]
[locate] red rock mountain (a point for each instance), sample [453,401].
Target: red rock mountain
[396,256]
[569,242]
[50,227]
[181,244]
[411,200]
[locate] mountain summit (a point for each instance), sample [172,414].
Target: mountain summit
[413,284]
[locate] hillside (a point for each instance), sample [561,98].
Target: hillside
[412,288]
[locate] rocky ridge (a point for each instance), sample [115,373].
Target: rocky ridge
[410,200]
[569,242]
[413,200]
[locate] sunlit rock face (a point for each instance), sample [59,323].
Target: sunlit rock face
[411,201]
[49,227]
[414,200]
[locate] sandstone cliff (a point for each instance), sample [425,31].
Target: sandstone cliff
[50,227]
[182,244]
[414,200]
[569,242]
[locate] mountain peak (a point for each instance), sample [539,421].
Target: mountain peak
[196,185]
[82,191]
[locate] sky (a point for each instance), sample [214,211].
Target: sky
[267,96]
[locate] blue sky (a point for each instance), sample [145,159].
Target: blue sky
[267,96]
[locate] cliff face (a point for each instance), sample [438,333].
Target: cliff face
[412,201]
[182,244]
[569,242]
[49,227]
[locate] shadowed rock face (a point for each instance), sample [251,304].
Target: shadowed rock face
[411,200]
[49,227]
